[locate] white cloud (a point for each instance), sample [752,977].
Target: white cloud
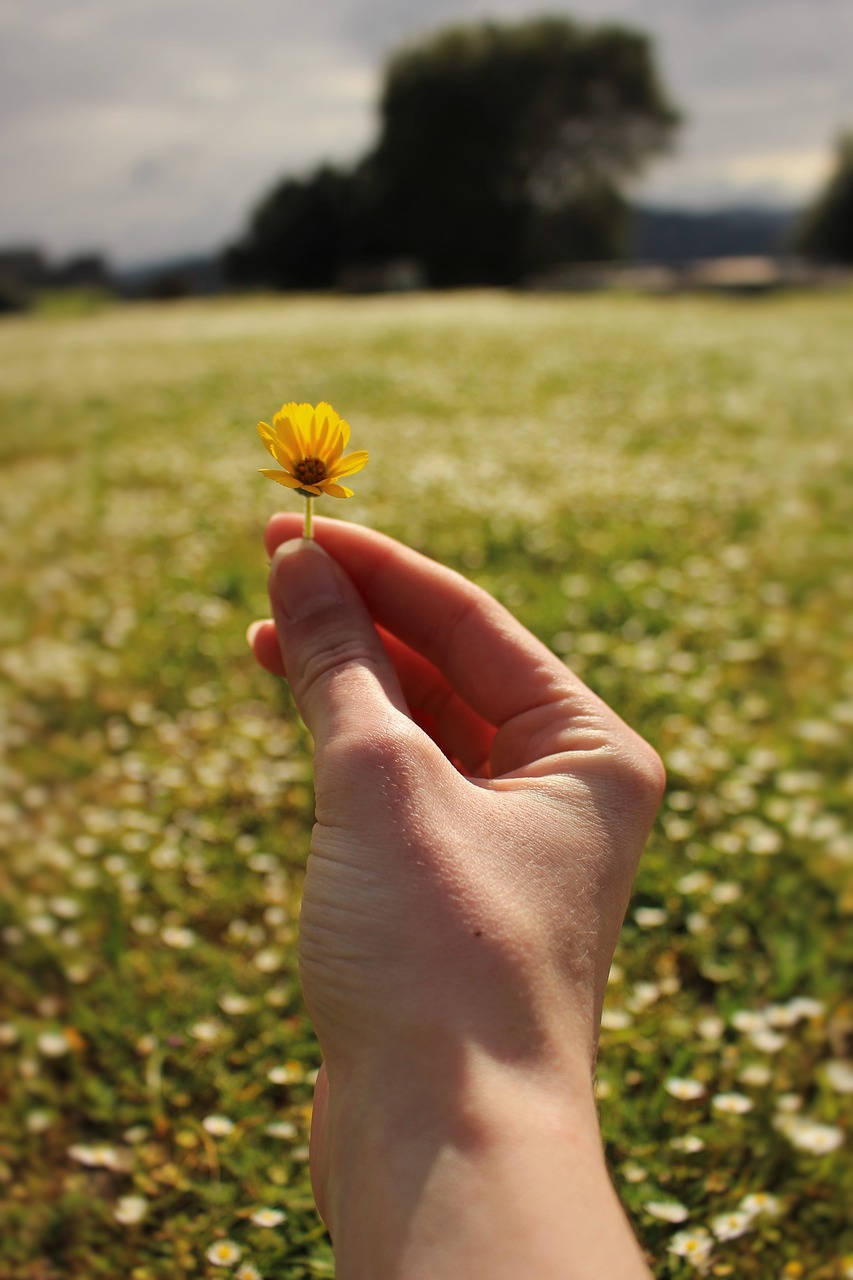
[792,172]
[173,162]
[783,178]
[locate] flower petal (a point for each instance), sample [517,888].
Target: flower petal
[335,490]
[281,477]
[272,444]
[290,438]
[335,449]
[349,465]
[301,415]
[325,410]
[326,418]
[294,414]
[322,447]
[311,438]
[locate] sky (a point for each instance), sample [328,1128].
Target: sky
[148,129]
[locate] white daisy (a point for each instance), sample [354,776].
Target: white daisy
[615,1020]
[268,1217]
[248,1271]
[233,1004]
[749,1020]
[289,1073]
[839,1075]
[38,1121]
[760,1202]
[733,1104]
[689,1143]
[667,1210]
[269,960]
[808,1135]
[218,1126]
[694,1245]
[685,1089]
[207,1030]
[728,1226]
[130,1210]
[806,1007]
[755,1073]
[53,1044]
[650,917]
[178,937]
[224,1253]
[767,1041]
[281,1129]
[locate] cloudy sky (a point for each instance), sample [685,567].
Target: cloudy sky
[148,128]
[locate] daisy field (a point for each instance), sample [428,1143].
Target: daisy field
[661,490]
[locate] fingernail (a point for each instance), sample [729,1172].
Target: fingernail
[251,631]
[303,579]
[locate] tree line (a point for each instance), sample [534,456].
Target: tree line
[502,150]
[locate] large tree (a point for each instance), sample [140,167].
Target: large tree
[826,231]
[501,149]
[489,133]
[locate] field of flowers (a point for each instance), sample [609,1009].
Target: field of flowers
[660,489]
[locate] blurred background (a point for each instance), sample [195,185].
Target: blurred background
[580,285]
[197,146]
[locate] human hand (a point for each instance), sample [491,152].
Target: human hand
[480,815]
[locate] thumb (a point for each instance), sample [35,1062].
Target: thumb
[341,677]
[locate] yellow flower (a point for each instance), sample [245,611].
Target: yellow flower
[309,442]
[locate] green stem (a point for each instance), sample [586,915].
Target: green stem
[308,531]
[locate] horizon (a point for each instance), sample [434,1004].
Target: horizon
[190,256]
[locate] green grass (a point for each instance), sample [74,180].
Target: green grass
[660,489]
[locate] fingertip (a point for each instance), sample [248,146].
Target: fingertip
[281,527]
[263,642]
[304,580]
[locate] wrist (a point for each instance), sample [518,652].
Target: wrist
[487,1169]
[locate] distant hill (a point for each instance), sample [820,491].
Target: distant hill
[175,278]
[672,236]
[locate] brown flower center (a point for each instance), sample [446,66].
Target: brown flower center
[310,470]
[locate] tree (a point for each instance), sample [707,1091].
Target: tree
[502,149]
[826,231]
[299,236]
[490,133]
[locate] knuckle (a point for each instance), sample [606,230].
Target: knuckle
[642,774]
[371,750]
[333,660]
[653,773]
[375,772]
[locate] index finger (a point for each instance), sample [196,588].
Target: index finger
[491,660]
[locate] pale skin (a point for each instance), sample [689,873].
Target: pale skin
[480,816]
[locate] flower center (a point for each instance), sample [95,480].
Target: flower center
[310,470]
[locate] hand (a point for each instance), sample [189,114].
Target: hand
[480,815]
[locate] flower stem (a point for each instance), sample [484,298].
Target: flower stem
[308,531]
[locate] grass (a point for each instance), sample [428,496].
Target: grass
[660,489]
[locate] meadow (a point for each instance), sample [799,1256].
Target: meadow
[661,490]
